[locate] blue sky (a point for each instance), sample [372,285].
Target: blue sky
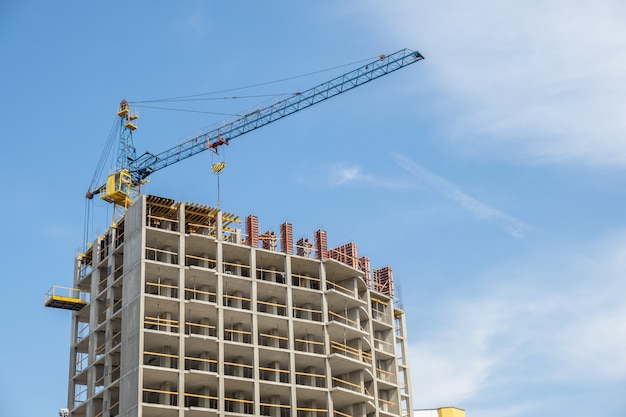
[490,176]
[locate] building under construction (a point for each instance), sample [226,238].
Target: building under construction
[182,309]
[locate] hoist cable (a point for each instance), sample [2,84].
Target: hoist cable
[252,85]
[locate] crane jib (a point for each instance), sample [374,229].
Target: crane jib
[143,166]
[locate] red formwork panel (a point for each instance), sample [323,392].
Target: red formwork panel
[321,245]
[286,238]
[346,254]
[252,230]
[383,280]
[364,265]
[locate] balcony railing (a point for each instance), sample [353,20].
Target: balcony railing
[165,290]
[201,401]
[238,369]
[162,255]
[350,352]
[242,336]
[164,360]
[158,396]
[200,295]
[271,308]
[200,261]
[273,374]
[307,313]
[200,364]
[304,281]
[236,405]
[275,410]
[310,346]
[310,379]
[237,302]
[272,340]
[200,329]
[161,324]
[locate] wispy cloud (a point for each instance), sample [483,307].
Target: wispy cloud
[341,174]
[543,82]
[478,209]
[528,331]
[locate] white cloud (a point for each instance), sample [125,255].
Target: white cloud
[479,210]
[544,322]
[341,174]
[544,81]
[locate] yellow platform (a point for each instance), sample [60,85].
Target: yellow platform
[66,298]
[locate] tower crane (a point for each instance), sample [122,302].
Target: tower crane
[133,170]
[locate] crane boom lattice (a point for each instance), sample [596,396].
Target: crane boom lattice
[140,168]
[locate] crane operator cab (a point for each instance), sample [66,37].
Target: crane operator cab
[118,188]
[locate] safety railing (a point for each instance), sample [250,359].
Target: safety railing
[270,275]
[272,340]
[200,364]
[233,268]
[82,361]
[242,336]
[304,281]
[112,410]
[386,405]
[200,261]
[66,294]
[275,410]
[163,360]
[201,401]
[160,324]
[102,284]
[237,302]
[332,316]
[161,255]
[338,413]
[386,375]
[307,313]
[80,394]
[99,384]
[274,374]
[159,396]
[200,295]
[119,239]
[237,405]
[310,379]
[383,345]
[350,352]
[311,412]
[118,272]
[161,289]
[238,369]
[115,373]
[100,351]
[163,223]
[116,339]
[342,383]
[200,329]
[83,331]
[271,308]
[200,229]
[334,286]
[310,346]
[381,316]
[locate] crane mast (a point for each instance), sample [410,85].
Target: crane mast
[132,171]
